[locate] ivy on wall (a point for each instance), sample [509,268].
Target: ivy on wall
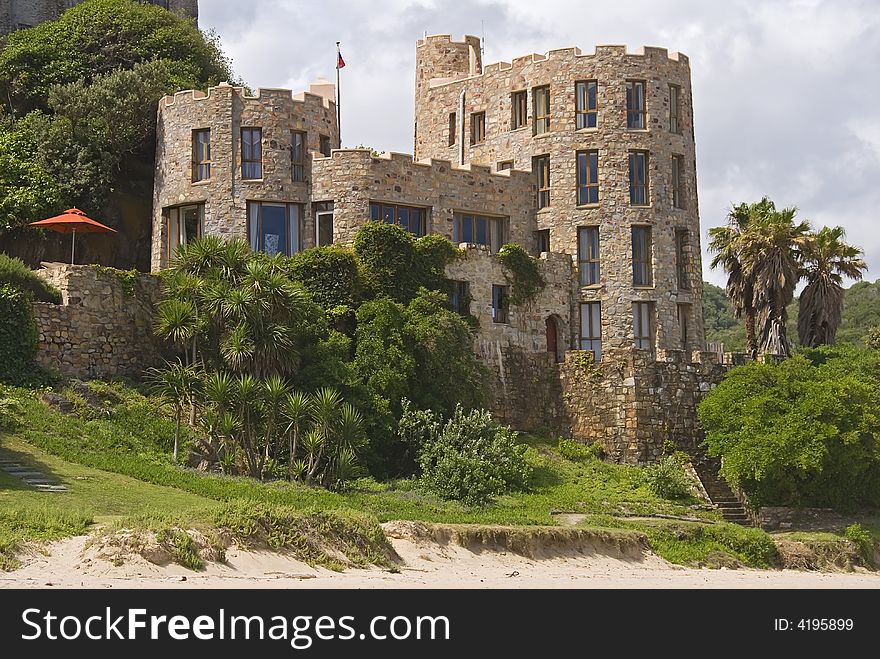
[522,273]
[18,335]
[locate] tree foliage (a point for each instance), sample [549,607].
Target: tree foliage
[804,432]
[18,334]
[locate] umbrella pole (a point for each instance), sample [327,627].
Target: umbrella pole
[72,245]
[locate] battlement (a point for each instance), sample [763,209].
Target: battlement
[365,156]
[570,54]
[434,39]
[224,90]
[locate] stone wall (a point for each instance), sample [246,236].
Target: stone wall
[15,14]
[225,110]
[488,89]
[102,328]
[352,178]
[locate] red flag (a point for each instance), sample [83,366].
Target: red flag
[339,61]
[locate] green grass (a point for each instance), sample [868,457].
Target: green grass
[36,524]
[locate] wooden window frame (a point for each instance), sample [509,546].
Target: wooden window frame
[642,255]
[171,246]
[255,219]
[501,311]
[636,117]
[378,214]
[496,227]
[541,167]
[298,164]
[641,339]
[322,210]
[593,337]
[248,158]
[460,296]
[675,109]
[589,263]
[678,191]
[201,166]
[588,190]
[519,109]
[540,115]
[636,185]
[586,113]
[542,240]
[478,128]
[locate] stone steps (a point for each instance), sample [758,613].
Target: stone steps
[29,476]
[720,494]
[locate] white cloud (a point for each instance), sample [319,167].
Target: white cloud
[785,93]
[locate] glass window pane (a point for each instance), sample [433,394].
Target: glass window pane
[388,214]
[467,229]
[482,236]
[294,229]
[375,212]
[403,217]
[273,229]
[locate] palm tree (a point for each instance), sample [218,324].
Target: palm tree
[727,244]
[770,252]
[297,411]
[176,385]
[827,259]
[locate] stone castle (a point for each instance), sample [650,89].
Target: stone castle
[586,160]
[21,14]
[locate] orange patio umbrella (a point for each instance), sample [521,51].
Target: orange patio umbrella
[72,221]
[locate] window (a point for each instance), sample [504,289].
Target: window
[519,104]
[201,155]
[674,109]
[499,303]
[541,167]
[451,139]
[478,127]
[635,104]
[324,222]
[591,329]
[643,325]
[585,103]
[460,297]
[678,182]
[641,245]
[542,240]
[275,228]
[541,110]
[588,255]
[638,178]
[325,146]
[587,177]
[298,156]
[252,153]
[504,164]
[480,230]
[183,226]
[409,218]
[682,258]
[684,320]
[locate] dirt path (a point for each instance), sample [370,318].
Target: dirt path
[426,564]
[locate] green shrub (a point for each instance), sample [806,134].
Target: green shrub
[525,278]
[181,547]
[801,433]
[15,273]
[329,274]
[864,539]
[668,479]
[577,452]
[470,458]
[18,335]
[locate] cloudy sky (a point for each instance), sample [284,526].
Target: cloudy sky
[786,93]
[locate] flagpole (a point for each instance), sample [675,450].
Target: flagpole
[338,97]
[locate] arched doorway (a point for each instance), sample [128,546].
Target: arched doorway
[552,328]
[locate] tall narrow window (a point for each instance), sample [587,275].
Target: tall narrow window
[635,104]
[298,156]
[674,109]
[541,110]
[460,297]
[587,177]
[479,230]
[275,228]
[478,127]
[591,329]
[500,303]
[451,138]
[201,155]
[541,167]
[586,104]
[542,240]
[638,178]
[410,218]
[519,106]
[682,258]
[684,321]
[324,223]
[641,247]
[588,255]
[678,182]
[183,226]
[643,325]
[324,146]
[251,153]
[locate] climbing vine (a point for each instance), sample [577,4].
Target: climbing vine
[522,272]
[127,278]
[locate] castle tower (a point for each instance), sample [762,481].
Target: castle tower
[609,138]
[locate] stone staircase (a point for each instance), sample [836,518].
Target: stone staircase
[719,491]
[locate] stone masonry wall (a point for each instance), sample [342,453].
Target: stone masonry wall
[225,110]
[99,330]
[27,13]
[489,90]
[352,178]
